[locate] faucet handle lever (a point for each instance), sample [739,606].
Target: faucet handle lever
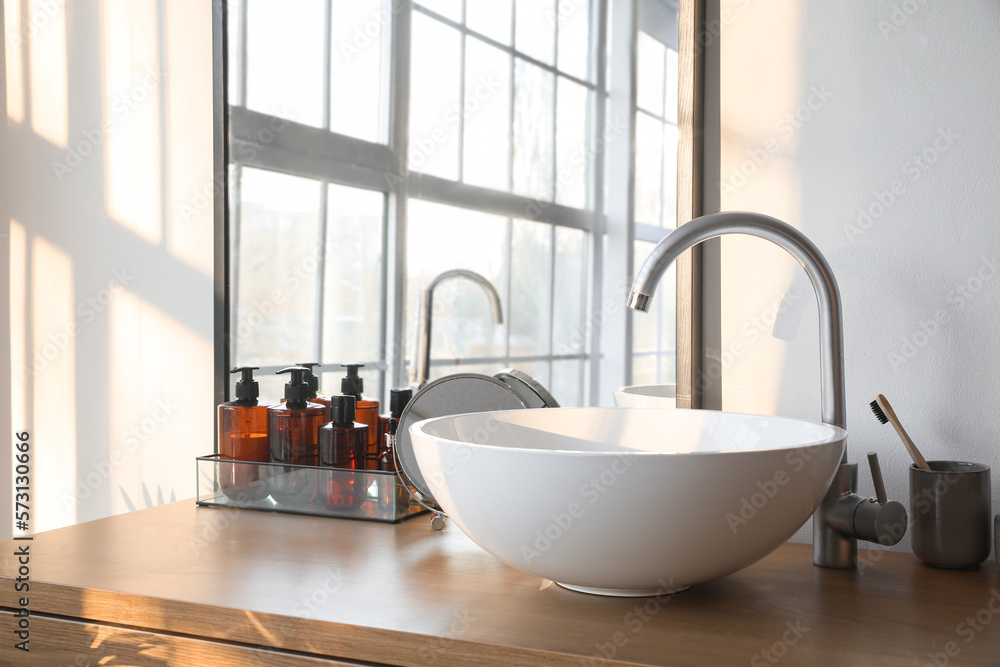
[877,478]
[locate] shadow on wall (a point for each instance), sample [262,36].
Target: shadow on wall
[109,135]
[147,500]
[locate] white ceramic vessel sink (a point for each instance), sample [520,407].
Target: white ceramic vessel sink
[627,501]
[647,396]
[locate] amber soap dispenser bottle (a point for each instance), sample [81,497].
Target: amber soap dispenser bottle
[393,486]
[293,436]
[366,413]
[243,437]
[398,398]
[343,443]
[313,380]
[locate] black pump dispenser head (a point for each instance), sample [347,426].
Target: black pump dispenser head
[310,376]
[398,398]
[342,410]
[247,389]
[296,389]
[353,384]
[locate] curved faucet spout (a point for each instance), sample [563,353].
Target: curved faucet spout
[422,343]
[798,246]
[843,516]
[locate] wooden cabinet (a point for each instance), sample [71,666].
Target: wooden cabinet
[186,585]
[73,643]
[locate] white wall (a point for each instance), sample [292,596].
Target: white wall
[107,164]
[897,110]
[6,499]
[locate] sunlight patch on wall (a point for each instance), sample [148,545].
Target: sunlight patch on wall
[12,56]
[49,83]
[153,411]
[19,361]
[758,172]
[133,85]
[53,355]
[189,187]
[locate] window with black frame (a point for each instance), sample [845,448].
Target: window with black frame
[377,143]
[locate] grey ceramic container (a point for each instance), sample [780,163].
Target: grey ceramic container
[950,508]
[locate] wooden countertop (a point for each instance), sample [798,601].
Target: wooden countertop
[407,595]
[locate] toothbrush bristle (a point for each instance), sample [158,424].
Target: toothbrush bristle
[878,412]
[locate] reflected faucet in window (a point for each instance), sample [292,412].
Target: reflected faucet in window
[422,344]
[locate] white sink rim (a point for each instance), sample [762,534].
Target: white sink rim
[650,390]
[646,396]
[835,433]
[606,555]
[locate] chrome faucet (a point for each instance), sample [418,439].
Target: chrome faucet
[422,343]
[843,517]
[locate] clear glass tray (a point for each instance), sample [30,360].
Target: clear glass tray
[369,495]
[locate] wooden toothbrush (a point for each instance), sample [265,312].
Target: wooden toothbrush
[883,412]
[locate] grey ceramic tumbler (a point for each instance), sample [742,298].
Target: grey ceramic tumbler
[950,509]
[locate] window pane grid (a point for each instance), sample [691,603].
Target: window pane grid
[557,349]
[654,333]
[500,45]
[658,63]
[522,152]
[272,326]
[653,116]
[539,270]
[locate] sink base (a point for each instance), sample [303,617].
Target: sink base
[626,592]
